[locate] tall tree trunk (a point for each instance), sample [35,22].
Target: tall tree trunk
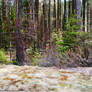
[74,7]
[91,19]
[58,15]
[21,54]
[28,15]
[88,15]
[37,20]
[83,4]
[33,26]
[9,30]
[49,22]
[79,12]
[45,22]
[0,19]
[69,9]
[0,25]
[54,15]
[64,18]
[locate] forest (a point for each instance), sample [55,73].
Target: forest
[46,40]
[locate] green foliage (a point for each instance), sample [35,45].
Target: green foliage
[3,57]
[72,24]
[15,63]
[35,57]
[71,38]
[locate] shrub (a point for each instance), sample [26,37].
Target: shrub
[3,57]
[15,63]
[72,37]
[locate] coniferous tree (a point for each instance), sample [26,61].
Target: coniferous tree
[79,12]
[3,7]
[21,54]
[49,21]
[83,4]
[0,26]
[69,9]
[58,15]
[54,15]
[64,17]
[37,20]
[74,7]
[45,22]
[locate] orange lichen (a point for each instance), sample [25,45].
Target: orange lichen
[64,77]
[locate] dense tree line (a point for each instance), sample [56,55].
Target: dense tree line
[32,22]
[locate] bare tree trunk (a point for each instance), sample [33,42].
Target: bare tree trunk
[49,22]
[33,26]
[91,20]
[37,21]
[83,3]
[74,7]
[0,25]
[88,14]
[21,54]
[58,15]
[45,22]
[9,30]
[64,18]
[54,15]
[79,12]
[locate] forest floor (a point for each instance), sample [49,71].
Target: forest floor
[40,79]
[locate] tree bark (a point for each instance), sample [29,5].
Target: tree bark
[54,15]
[21,54]
[37,21]
[83,3]
[79,12]
[74,7]
[58,15]
[45,22]
[64,18]
[49,22]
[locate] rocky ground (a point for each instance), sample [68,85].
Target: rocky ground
[40,79]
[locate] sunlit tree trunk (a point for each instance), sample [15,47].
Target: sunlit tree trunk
[79,12]
[86,29]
